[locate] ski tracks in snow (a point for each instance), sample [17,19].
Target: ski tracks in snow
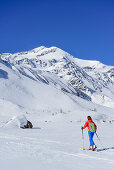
[23,146]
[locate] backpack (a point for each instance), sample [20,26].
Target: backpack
[91,127]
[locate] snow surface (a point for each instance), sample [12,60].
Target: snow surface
[55,145]
[57,110]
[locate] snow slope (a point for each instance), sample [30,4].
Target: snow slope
[56,92]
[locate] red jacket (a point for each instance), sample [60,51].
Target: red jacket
[87,124]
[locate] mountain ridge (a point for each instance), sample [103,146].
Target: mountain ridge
[55,67]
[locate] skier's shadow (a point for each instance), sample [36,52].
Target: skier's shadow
[104,149]
[36,128]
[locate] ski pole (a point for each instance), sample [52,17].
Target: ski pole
[99,140]
[83,139]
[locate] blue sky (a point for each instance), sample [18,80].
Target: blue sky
[84,28]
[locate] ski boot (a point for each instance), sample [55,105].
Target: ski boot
[90,148]
[94,147]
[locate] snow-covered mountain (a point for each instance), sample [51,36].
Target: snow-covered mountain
[51,80]
[90,80]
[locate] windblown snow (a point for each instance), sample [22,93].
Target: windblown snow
[56,92]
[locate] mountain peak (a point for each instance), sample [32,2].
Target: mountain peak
[37,49]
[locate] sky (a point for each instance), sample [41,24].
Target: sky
[83,28]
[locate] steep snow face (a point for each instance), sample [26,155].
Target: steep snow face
[56,68]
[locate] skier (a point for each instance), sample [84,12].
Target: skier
[91,131]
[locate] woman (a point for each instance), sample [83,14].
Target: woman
[91,131]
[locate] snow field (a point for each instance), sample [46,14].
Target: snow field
[55,145]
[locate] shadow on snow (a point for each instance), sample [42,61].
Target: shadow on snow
[105,149]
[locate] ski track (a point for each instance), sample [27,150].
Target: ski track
[44,148]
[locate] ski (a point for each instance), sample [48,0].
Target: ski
[86,149]
[90,149]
